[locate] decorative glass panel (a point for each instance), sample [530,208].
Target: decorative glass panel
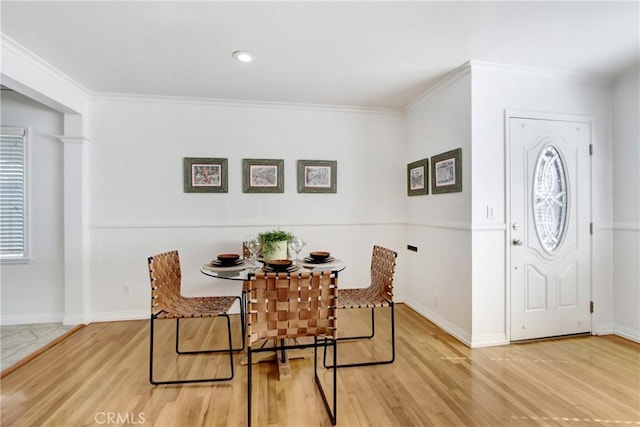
[550,198]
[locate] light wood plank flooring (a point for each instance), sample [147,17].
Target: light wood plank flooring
[99,376]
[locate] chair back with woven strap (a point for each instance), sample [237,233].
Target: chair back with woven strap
[291,305]
[379,293]
[383,267]
[166,277]
[166,300]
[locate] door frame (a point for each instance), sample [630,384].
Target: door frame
[538,115]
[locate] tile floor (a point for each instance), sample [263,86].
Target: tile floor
[19,341]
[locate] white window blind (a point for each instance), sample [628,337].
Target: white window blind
[13,193]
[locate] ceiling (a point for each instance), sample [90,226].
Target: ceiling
[380,54]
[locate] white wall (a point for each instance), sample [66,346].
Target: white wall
[138,207]
[34,292]
[494,90]
[438,281]
[626,206]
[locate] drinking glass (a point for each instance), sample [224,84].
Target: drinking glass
[253,245]
[295,245]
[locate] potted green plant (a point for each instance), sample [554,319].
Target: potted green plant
[274,244]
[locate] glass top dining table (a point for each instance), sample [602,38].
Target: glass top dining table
[244,269]
[242,272]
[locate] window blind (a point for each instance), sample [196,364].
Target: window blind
[13,197]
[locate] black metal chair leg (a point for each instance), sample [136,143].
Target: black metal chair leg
[378,362]
[199,380]
[330,407]
[243,316]
[371,335]
[360,337]
[151,352]
[241,348]
[249,383]
[209,351]
[333,415]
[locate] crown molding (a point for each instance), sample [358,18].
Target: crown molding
[550,72]
[10,45]
[447,80]
[237,103]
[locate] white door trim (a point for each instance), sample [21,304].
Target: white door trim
[538,115]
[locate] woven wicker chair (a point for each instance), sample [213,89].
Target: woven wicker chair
[285,306]
[379,294]
[168,303]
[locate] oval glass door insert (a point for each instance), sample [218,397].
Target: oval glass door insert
[550,201]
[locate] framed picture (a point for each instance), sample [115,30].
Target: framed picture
[317,176]
[205,175]
[262,176]
[417,178]
[446,172]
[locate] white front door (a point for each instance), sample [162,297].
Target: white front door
[549,229]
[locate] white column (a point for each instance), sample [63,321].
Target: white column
[76,229]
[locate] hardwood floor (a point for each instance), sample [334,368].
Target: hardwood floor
[99,376]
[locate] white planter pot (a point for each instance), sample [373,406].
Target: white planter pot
[280,251]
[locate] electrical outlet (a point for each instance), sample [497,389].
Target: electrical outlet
[125,290]
[436,303]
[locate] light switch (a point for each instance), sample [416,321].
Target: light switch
[489,212]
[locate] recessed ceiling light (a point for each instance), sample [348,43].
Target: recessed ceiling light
[244,56]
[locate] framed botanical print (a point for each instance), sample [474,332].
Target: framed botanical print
[418,178]
[446,172]
[263,176]
[317,176]
[205,175]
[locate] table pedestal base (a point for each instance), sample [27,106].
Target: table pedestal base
[284,369]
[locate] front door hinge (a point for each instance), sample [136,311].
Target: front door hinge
[591,228]
[591,149]
[591,307]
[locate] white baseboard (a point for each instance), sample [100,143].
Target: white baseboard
[442,323]
[628,333]
[76,319]
[28,319]
[489,340]
[603,329]
[117,316]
